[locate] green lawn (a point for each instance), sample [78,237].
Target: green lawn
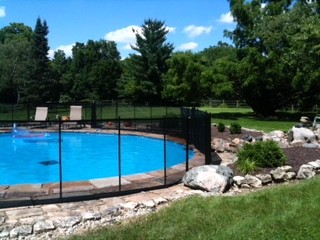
[246,118]
[281,212]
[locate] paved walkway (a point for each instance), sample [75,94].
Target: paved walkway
[58,220]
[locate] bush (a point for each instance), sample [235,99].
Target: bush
[263,154]
[235,128]
[247,166]
[221,127]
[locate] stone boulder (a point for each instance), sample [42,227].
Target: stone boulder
[282,174]
[252,181]
[303,134]
[264,178]
[306,171]
[210,178]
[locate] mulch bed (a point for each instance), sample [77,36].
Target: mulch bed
[297,156]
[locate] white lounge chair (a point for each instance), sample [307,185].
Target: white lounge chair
[75,117]
[41,115]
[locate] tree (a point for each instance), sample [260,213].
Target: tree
[218,79]
[60,66]
[182,81]
[145,81]
[41,87]
[16,62]
[94,71]
[262,38]
[305,53]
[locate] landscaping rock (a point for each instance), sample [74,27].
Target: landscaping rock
[23,230]
[304,134]
[278,175]
[306,172]
[252,181]
[238,180]
[43,226]
[210,178]
[264,178]
[289,176]
[67,222]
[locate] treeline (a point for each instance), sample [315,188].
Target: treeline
[273,62]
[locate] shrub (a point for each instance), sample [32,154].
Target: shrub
[247,166]
[263,154]
[221,127]
[235,128]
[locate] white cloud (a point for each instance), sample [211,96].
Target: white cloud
[127,35]
[226,18]
[171,29]
[66,48]
[195,31]
[124,35]
[188,46]
[2,12]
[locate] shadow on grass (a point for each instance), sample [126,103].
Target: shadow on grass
[278,116]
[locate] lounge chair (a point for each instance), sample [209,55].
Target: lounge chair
[75,117]
[41,116]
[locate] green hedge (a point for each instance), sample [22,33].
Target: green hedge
[260,155]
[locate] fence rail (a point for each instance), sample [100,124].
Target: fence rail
[221,103]
[48,179]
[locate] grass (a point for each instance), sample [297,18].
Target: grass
[282,212]
[246,118]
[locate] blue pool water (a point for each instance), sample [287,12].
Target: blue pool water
[35,159]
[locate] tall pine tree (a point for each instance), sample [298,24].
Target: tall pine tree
[42,86]
[145,84]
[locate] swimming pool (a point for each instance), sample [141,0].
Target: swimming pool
[85,156]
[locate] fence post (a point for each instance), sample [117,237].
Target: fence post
[60,158]
[187,144]
[28,112]
[93,115]
[11,112]
[164,150]
[117,111]
[119,151]
[207,129]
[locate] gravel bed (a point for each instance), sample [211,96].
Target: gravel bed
[297,156]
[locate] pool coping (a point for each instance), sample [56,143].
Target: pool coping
[33,194]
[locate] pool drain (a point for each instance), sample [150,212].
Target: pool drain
[49,162]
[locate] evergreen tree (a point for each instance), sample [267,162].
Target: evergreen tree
[42,87]
[145,82]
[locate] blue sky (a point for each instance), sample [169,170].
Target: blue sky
[193,24]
